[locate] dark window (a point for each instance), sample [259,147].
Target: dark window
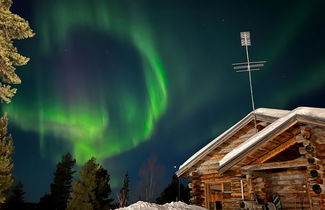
[218,205]
[217,188]
[227,187]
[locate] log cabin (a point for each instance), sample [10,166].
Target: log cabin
[271,158]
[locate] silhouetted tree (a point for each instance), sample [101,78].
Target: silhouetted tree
[124,192]
[15,199]
[46,202]
[6,165]
[92,190]
[151,174]
[173,191]
[61,186]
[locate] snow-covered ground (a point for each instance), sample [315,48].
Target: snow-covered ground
[140,205]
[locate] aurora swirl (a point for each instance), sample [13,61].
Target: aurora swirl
[85,121]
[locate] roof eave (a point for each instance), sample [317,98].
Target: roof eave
[261,114]
[300,114]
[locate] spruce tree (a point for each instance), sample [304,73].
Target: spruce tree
[61,187]
[92,190]
[46,202]
[12,27]
[6,165]
[15,200]
[124,192]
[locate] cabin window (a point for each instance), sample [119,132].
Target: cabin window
[227,187]
[221,187]
[216,188]
[217,193]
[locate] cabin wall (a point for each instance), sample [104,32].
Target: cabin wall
[312,138]
[297,188]
[197,192]
[209,189]
[290,185]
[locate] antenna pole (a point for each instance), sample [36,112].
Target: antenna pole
[248,67]
[250,81]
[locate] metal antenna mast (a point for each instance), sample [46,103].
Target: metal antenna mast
[248,66]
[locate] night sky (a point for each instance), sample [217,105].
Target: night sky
[128,80]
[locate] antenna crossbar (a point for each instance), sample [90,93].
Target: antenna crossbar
[246,70]
[251,62]
[246,66]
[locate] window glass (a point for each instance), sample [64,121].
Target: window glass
[227,187]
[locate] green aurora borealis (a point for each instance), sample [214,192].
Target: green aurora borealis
[123,79]
[85,122]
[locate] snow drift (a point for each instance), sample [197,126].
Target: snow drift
[140,205]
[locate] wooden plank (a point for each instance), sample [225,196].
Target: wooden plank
[275,151]
[209,176]
[214,156]
[239,194]
[299,162]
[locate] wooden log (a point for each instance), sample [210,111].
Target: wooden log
[285,192]
[299,162]
[301,139]
[302,150]
[316,173]
[289,182]
[295,205]
[196,193]
[313,195]
[321,147]
[209,176]
[193,174]
[316,181]
[259,185]
[310,149]
[259,179]
[287,177]
[321,154]
[314,167]
[313,160]
[318,189]
[306,133]
[239,195]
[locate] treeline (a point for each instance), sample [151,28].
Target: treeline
[89,191]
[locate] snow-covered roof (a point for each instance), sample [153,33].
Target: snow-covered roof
[261,114]
[300,114]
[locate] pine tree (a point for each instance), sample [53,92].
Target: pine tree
[92,190]
[124,192]
[175,191]
[6,165]
[16,198]
[12,27]
[61,186]
[46,202]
